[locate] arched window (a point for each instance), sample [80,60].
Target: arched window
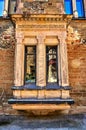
[80,8]
[68,6]
[1,7]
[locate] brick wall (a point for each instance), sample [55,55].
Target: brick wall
[77,60]
[7,42]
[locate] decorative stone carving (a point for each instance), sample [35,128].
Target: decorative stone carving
[19,37]
[41,18]
[33,27]
[42,6]
[33,7]
[63,62]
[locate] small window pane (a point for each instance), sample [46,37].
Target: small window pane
[80,8]
[30,76]
[1,7]
[30,50]
[51,50]
[52,64]
[12,7]
[68,6]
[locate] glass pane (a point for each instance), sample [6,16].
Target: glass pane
[1,7]
[12,6]
[51,50]
[30,50]
[68,6]
[30,76]
[80,8]
[52,64]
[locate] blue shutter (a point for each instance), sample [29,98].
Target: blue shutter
[80,8]
[1,7]
[68,6]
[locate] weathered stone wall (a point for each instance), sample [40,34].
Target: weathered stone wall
[7,42]
[77,60]
[41,7]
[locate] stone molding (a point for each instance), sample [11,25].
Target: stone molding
[40,38]
[42,17]
[19,37]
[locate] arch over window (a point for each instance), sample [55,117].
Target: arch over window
[1,7]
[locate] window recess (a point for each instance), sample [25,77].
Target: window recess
[52,64]
[30,64]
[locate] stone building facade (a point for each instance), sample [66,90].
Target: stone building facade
[43,55]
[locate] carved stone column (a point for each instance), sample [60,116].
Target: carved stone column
[41,61]
[75,13]
[5,13]
[19,61]
[63,61]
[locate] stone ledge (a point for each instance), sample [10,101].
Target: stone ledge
[34,87]
[40,107]
[41,101]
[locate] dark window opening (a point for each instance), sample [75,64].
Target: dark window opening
[52,64]
[30,64]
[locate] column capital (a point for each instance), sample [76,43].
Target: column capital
[62,37]
[41,37]
[19,37]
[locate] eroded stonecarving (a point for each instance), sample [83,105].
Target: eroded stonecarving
[7,38]
[42,6]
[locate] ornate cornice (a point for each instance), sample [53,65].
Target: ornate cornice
[43,17]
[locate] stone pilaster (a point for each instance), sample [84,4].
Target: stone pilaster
[75,13]
[41,61]
[5,12]
[63,61]
[59,65]
[19,61]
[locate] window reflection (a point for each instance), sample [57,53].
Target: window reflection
[30,64]
[52,64]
